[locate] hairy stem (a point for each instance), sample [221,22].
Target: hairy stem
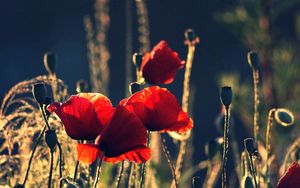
[51,168]
[169,159]
[98,172]
[256,104]
[143,170]
[120,175]
[225,148]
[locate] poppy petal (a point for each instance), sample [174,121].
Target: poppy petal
[159,110]
[87,153]
[161,64]
[84,115]
[291,178]
[125,135]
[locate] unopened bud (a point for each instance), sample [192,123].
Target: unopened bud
[249,145]
[51,139]
[137,59]
[226,96]
[39,92]
[197,182]
[134,87]
[247,182]
[81,86]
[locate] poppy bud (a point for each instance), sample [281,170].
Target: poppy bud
[284,117]
[39,92]
[19,186]
[50,62]
[137,59]
[226,96]
[134,87]
[247,182]
[51,139]
[47,101]
[190,35]
[70,185]
[253,60]
[249,145]
[214,147]
[81,86]
[196,182]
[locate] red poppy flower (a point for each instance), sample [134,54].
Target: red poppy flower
[124,138]
[160,65]
[291,178]
[159,110]
[84,115]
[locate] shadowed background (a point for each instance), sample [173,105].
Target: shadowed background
[30,28]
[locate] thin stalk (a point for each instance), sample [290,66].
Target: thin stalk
[143,170]
[60,163]
[44,116]
[167,154]
[253,170]
[256,104]
[51,167]
[120,175]
[268,138]
[98,172]
[225,148]
[130,177]
[185,103]
[32,153]
[75,171]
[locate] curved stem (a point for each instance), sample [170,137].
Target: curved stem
[98,172]
[32,153]
[120,175]
[167,154]
[51,167]
[225,147]
[44,117]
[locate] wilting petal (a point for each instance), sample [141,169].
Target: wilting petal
[125,137]
[160,66]
[84,115]
[291,178]
[159,110]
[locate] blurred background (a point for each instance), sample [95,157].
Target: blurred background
[227,30]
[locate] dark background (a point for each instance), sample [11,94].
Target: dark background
[30,28]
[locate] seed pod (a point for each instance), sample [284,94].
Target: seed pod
[50,62]
[134,87]
[253,60]
[39,92]
[226,96]
[249,145]
[19,186]
[196,182]
[51,139]
[81,86]
[247,182]
[137,59]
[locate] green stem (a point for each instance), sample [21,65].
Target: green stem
[120,175]
[130,175]
[98,172]
[32,153]
[225,148]
[51,167]
[143,170]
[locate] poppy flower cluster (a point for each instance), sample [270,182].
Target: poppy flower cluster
[120,133]
[161,64]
